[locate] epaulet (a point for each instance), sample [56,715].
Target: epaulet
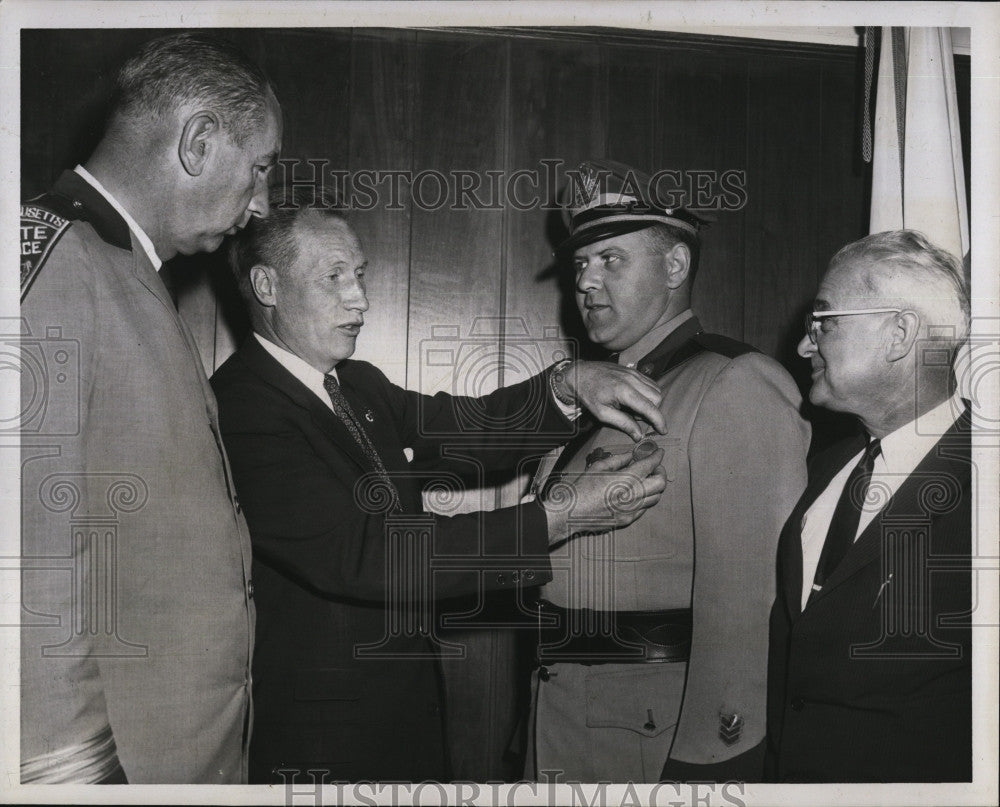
[723,345]
[44,219]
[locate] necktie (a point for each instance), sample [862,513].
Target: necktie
[346,414]
[846,517]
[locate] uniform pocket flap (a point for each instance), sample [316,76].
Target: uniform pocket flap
[645,700]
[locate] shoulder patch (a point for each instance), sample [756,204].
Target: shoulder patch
[723,345]
[41,229]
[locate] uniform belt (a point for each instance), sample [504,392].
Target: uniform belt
[585,636]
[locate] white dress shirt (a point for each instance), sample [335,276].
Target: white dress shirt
[301,369]
[137,231]
[902,451]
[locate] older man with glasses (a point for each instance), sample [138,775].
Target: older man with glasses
[870,643]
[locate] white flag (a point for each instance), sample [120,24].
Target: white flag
[918,182]
[925,190]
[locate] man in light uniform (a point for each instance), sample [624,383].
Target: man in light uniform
[137,621]
[653,643]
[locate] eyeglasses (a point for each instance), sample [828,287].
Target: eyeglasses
[815,318]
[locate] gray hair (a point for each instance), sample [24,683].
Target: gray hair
[193,68]
[271,241]
[905,265]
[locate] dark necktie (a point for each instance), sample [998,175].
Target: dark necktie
[346,414]
[846,517]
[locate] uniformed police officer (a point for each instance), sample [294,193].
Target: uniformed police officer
[653,638]
[137,622]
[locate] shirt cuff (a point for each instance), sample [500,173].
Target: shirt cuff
[571,413]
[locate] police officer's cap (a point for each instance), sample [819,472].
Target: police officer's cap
[606,199]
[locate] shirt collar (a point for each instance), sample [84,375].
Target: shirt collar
[137,231]
[903,449]
[298,367]
[632,354]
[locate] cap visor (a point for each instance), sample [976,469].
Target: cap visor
[600,232]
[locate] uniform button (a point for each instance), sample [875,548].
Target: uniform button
[515,577]
[798,704]
[77,204]
[236,504]
[529,575]
[543,673]
[501,579]
[249,589]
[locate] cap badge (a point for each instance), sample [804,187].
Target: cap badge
[590,180]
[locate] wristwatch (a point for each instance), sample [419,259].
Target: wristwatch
[557,375]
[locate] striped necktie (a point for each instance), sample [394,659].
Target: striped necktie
[346,414]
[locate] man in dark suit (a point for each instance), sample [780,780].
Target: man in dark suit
[870,650]
[346,681]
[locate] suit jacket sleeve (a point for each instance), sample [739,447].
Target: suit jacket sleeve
[297,491]
[498,429]
[748,468]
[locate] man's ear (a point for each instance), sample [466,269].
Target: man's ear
[905,330]
[262,283]
[678,262]
[197,141]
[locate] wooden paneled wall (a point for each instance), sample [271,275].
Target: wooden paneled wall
[787,115]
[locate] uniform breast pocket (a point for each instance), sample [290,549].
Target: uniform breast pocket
[656,535]
[671,452]
[645,699]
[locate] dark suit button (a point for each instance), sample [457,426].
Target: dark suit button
[798,704]
[515,577]
[529,575]
[501,579]
[249,589]
[543,673]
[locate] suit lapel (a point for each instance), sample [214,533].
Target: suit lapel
[270,370]
[942,461]
[823,470]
